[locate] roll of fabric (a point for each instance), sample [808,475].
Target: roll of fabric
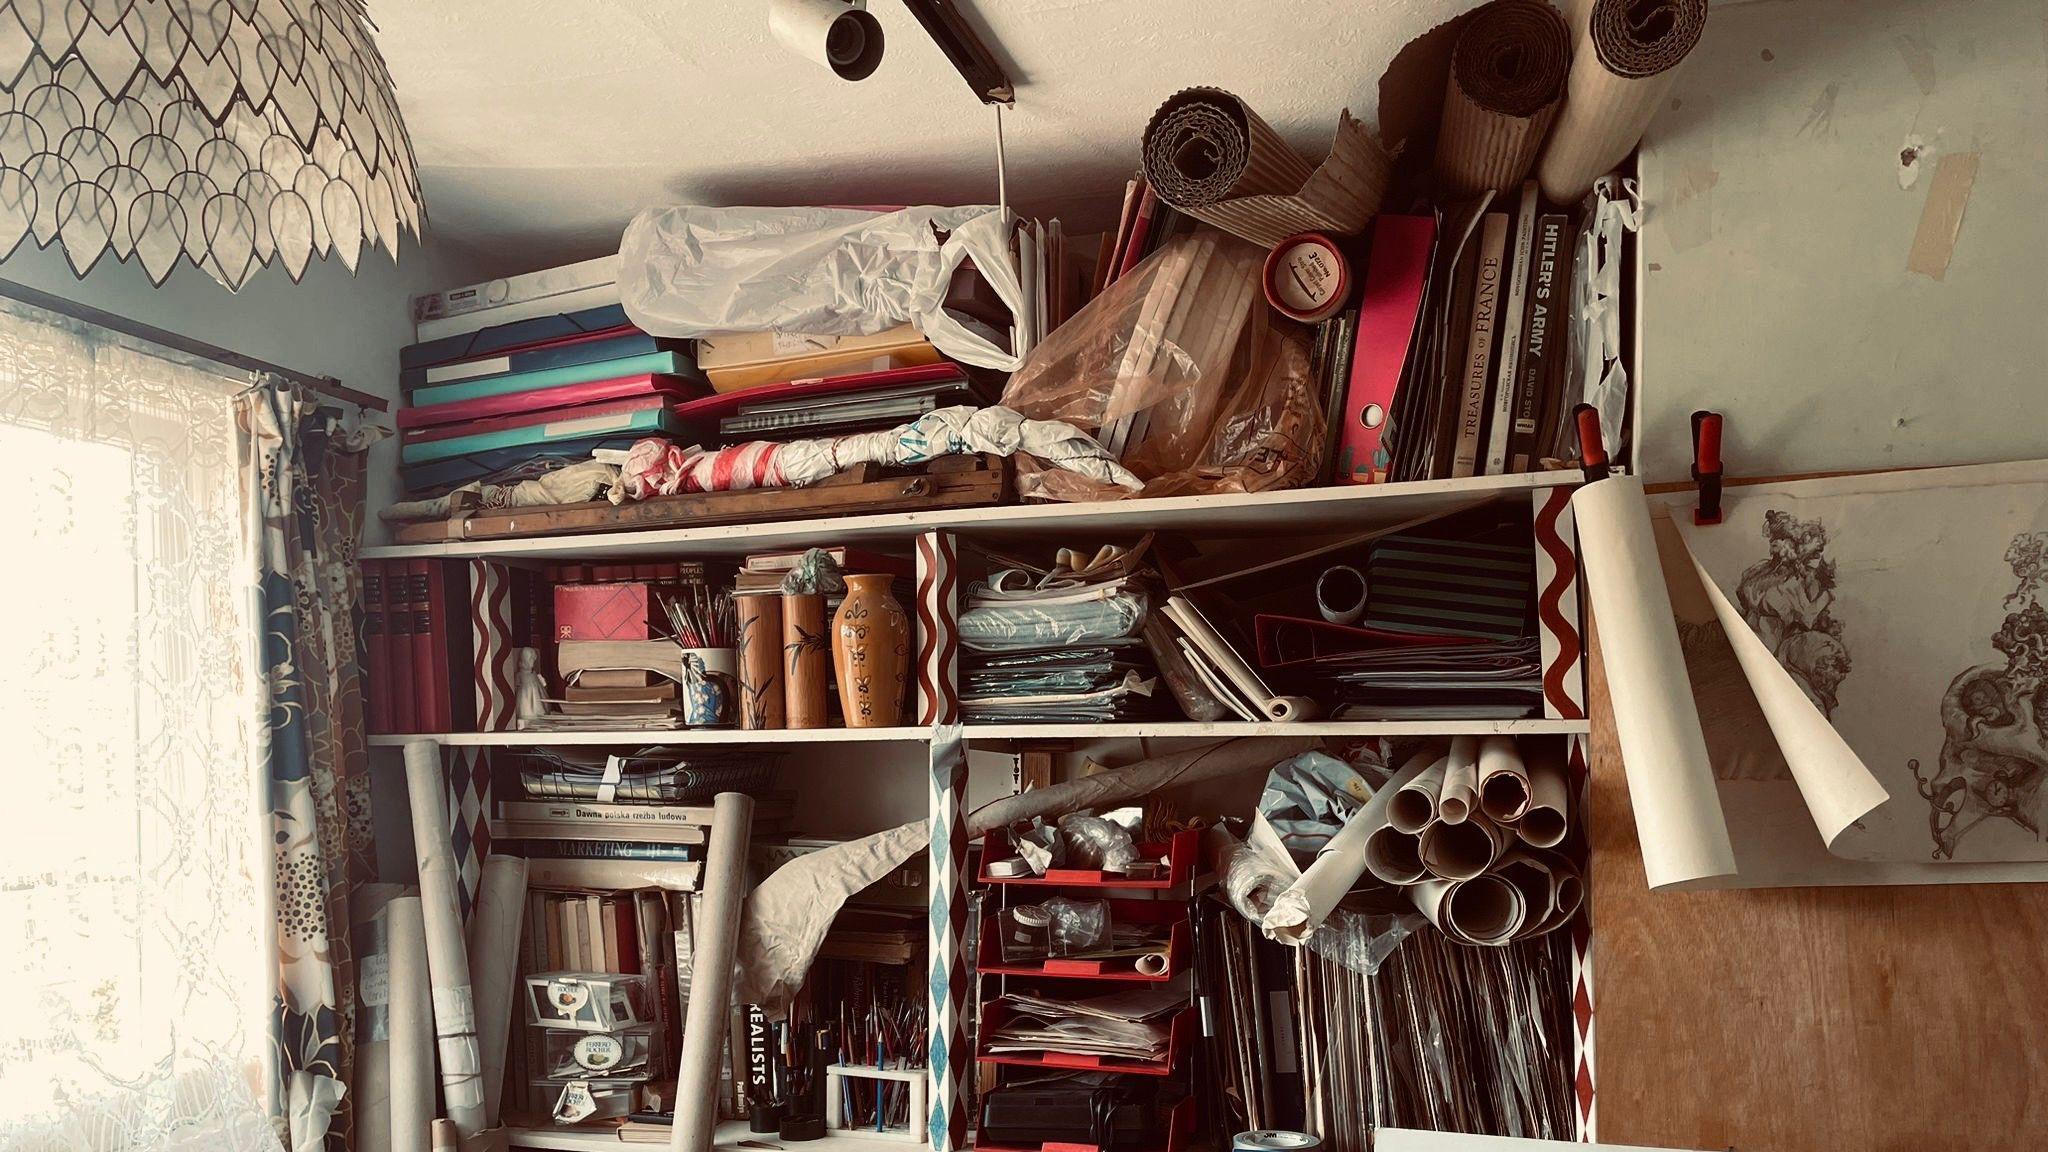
[1507,77]
[1622,68]
[1208,154]
[461,1060]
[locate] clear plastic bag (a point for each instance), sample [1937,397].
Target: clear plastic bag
[1184,373]
[1359,940]
[1025,625]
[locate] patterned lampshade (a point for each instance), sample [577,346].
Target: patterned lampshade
[229,132]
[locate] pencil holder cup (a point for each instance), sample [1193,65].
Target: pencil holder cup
[708,681]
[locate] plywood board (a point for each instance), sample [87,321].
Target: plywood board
[1809,1019]
[1843,238]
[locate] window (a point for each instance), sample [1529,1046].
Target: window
[132,868]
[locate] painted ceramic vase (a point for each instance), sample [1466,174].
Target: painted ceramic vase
[871,653]
[704,695]
[806,660]
[760,655]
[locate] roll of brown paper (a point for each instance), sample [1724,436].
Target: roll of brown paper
[1208,154]
[806,660]
[1507,75]
[1622,67]
[760,655]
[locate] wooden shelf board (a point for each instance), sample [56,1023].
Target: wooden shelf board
[1184,729]
[732,1134]
[1262,513]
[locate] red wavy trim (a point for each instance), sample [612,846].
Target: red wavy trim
[1564,570]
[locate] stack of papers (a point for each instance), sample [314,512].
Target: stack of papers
[1132,1025]
[1496,680]
[1059,648]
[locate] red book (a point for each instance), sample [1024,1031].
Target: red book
[450,677]
[419,575]
[1141,230]
[376,651]
[1387,307]
[398,628]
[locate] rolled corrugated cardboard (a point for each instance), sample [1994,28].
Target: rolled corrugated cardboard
[717,937]
[1460,794]
[1507,78]
[461,1062]
[412,1092]
[1503,780]
[371,1091]
[1209,155]
[1622,68]
[493,964]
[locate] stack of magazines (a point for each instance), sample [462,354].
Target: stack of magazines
[1490,680]
[1063,646]
[656,775]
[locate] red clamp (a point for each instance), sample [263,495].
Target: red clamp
[1706,466]
[1592,448]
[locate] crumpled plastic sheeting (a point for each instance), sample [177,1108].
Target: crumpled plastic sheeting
[1257,871]
[1613,207]
[690,271]
[656,467]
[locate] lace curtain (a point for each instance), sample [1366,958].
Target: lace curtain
[135,868]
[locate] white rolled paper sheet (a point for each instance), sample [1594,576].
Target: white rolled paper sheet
[462,1073]
[1550,887]
[1485,910]
[1460,794]
[1663,751]
[1503,779]
[371,1092]
[1152,964]
[1413,806]
[1394,856]
[1340,594]
[493,964]
[1463,850]
[1545,820]
[412,1027]
[1307,902]
[710,1008]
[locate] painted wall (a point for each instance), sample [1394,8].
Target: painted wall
[332,323]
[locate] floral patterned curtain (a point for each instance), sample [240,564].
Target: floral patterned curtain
[302,479]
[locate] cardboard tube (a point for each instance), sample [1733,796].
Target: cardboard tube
[412,1028]
[1663,749]
[1460,794]
[371,1091]
[1152,964]
[462,1086]
[760,656]
[1544,822]
[717,936]
[1463,850]
[1622,68]
[1413,805]
[1507,74]
[445,1137]
[1503,780]
[1340,594]
[494,963]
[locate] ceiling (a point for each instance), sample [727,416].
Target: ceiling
[541,126]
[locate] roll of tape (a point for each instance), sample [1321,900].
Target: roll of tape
[1307,278]
[1273,1141]
[1340,594]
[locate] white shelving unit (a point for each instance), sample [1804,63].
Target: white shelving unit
[1156,729]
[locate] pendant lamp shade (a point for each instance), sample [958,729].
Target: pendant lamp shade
[230,133]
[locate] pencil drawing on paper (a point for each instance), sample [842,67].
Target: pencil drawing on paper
[1994,718]
[1785,599]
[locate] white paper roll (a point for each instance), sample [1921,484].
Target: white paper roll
[1545,820]
[1413,806]
[1152,964]
[1463,850]
[1307,902]
[1664,753]
[493,964]
[717,936]
[1393,855]
[1485,910]
[1503,780]
[462,1095]
[1460,794]
[371,1092]
[1340,594]
[412,1027]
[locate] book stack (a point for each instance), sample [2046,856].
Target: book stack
[617,648]
[1452,364]
[418,641]
[1049,646]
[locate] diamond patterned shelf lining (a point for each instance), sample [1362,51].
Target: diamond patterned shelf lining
[231,132]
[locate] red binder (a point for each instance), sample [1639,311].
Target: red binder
[1387,307]
[376,687]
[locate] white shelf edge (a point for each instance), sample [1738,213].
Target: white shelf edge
[1146,728]
[1297,505]
[732,1134]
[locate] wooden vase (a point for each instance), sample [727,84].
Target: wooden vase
[759,645]
[871,653]
[806,660]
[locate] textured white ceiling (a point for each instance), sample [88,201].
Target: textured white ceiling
[543,125]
